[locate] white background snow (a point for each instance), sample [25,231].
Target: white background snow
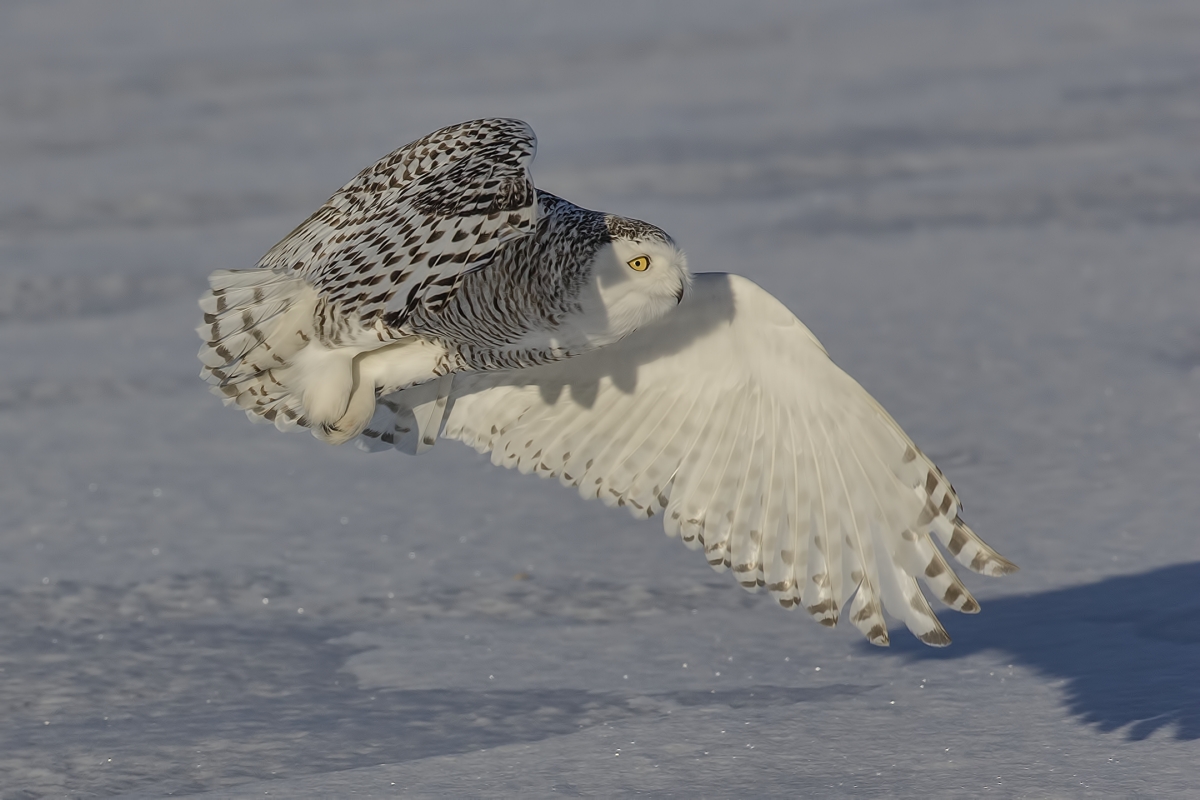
[987,211]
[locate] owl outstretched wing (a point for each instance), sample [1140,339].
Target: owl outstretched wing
[405,230]
[728,419]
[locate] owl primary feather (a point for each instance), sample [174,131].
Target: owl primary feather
[440,293]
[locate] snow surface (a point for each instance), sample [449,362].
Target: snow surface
[987,211]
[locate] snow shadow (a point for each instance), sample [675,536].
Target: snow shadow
[1127,647]
[192,684]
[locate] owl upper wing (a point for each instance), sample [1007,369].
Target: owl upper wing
[729,419]
[406,229]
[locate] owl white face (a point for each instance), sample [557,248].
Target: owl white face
[633,283]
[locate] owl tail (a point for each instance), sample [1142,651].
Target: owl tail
[256,323]
[264,351]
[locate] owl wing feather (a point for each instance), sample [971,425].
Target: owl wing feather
[396,239]
[729,419]
[405,230]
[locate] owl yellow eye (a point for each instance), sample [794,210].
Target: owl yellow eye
[641,263]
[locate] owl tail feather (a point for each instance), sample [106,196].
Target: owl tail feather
[256,323]
[265,351]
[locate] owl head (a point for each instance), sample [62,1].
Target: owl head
[637,276]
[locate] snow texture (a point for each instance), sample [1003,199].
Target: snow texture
[987,212]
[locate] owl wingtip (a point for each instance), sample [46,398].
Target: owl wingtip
[1003,566]
[935,638]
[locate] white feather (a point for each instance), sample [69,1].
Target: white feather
[755,444]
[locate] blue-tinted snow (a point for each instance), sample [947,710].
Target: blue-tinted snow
[987,211]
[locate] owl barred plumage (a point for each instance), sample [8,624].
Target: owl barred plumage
[442,251]
[534,283]
[441,292]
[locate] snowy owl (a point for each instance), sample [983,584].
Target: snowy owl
[440,292]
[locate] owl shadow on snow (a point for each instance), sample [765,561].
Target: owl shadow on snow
[1127,647]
